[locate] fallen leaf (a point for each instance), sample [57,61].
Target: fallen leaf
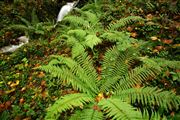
[10,91]
[14,84]
[41,75]
[176,45]
[130,29]
[43,83]
[149,17]
[7,104]
[133,34]
[154,38]
[21,101]
[99,69]
[159,48]
[1,92]
[167,41]
[155,51]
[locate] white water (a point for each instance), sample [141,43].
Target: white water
[65,10]
[11,48]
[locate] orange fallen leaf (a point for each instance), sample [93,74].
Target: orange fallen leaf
[41,75]
[159,47]
[99,69]
[130,29]
[149,17]
[21,101]
[43,83]
[44,94]
[7,104]
[167,41]
[133,34]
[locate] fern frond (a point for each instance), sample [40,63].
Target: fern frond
[34,17]
[76,115]
[167,63]
[118,110]
[92,40]
[77,33]
[150,6]
[122,39]
[151,96]
[124,22]
[115,65]
[90,114]
[87,64]
[66,75]
[136,76]
[76,21]
[65,103]
[21,27]
[26,22]
[74,73]
[77,49]
[91,17]
[153,116]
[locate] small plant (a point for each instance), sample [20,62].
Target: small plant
[32,27]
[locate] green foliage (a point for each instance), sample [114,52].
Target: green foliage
[32,27]
[119,110]
[124,22]
[115,91]
[65,103]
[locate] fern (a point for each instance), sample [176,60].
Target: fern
[124,22]
[92,40]
[65,103]
[136,76]
[150,96]
[150,6]
[118,110]
[79,40]
[77,33]
[167,63]
[87,114]
[122,39]
[116,90]
[84,80]
[76,21]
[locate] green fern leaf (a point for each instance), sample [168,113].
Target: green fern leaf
[21,27]
[26,22]
[90,114]
[124,22]
[76,21]
[34,17]
[118,110]
[65,103]
[136,76]
[167,63]
[77,33]
[151,96]
[77,49]
[92,40]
